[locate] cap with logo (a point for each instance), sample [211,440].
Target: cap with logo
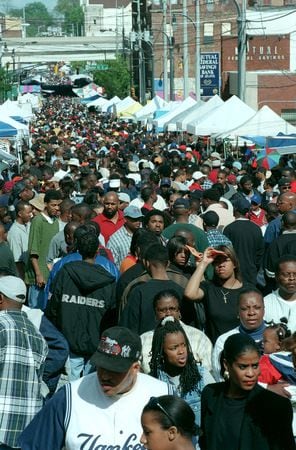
[118,349]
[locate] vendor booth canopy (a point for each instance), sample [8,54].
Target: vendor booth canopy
[197,112]
[264,123]
[7,130]
[183,114]
[230,115]
[163,122]
[110,103]
[147,110]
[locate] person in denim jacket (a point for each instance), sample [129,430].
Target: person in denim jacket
[172,361]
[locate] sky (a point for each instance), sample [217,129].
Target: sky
[50,4]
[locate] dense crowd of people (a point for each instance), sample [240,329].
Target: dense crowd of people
[137,269]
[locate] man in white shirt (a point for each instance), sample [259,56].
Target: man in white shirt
[282,302]
[102,409]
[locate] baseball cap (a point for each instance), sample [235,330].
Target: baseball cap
[181,203]
[118,349]
[237,165]
[256,198]
[197,175]
[132,211]
[165,182]
[114,183]
[123,197]
[215,155]
[241,205]
[216,163]
[210,218]
[13,288]
[74,162]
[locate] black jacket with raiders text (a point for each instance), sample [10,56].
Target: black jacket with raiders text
[82,304]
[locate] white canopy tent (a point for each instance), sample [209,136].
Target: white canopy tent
[11,109]
[183,114]
[197,112]
[230,114]
[163,122]
[148,110]
[22,129]
[98,103]
[264,123]
[110,102]
[124,104]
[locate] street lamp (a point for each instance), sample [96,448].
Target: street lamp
[242,48]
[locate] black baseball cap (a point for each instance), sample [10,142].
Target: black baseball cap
[210,218]
[118,349]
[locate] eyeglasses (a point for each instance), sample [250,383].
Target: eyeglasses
[154,403]
[168,309]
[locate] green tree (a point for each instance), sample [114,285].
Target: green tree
[116,79]
[73,16]
[36,14]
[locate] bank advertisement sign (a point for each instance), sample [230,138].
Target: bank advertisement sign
[209,74]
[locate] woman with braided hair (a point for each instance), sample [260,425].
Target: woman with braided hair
[172,361]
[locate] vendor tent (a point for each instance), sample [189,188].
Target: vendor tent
[197,112]
[147,110]
[21,129]
[183,114]
[124,104]
[231,114]
[11,109]
[264,123]
[110,103]
[131,110]
[98,103]
[7,130]
[163,122]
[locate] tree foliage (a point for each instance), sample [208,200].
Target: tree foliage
[115,80]
[36,14]
[73,16]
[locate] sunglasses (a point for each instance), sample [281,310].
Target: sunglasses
[154,403]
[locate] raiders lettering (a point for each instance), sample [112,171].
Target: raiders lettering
[79,300]
[90,442]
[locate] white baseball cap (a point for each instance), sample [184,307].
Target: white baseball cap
[13,288]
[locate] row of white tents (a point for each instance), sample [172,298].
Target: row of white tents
[232,118]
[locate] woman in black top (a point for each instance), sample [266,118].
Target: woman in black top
[238,414]
[219,296]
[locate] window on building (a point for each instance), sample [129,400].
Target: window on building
[226,29]
[208,33]
[289,115]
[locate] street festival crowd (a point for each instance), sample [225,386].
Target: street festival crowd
[147,291]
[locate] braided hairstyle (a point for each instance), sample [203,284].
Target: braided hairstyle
[190,375]
[280,328]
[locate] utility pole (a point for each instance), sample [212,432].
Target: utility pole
[197,50]
[165,50]
[141,72]
[242,49]
[185,50]
[172,68]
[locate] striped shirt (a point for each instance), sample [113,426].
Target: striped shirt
[119,244]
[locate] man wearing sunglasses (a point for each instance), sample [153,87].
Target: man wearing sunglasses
[102,409]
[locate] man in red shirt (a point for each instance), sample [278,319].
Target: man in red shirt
[111,219]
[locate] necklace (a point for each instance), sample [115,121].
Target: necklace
[226,293]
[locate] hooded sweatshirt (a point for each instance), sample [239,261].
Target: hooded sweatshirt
[82,294]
